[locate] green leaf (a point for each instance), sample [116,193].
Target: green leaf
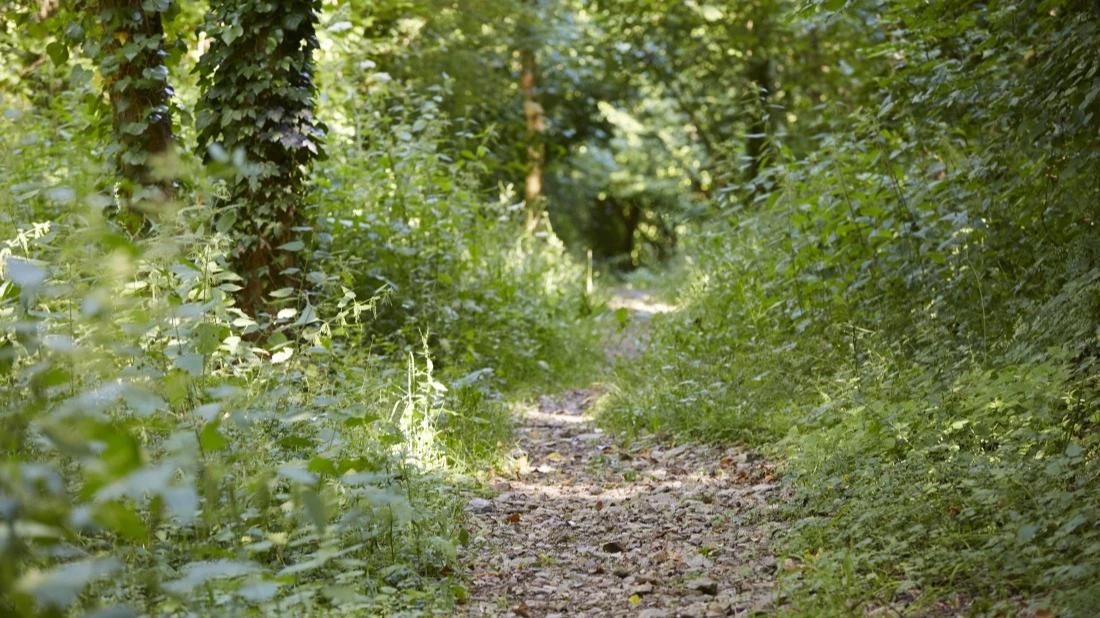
[191,363]
[315,509]
[227,221]
[60,586]
[1027,533]
[199,573]
[183,501]
[142,401]
[282,292]
[122,520]
[297,473]
[211,439]
[24,273]
[58,53]
[208,336]
[622,317]
[80,77]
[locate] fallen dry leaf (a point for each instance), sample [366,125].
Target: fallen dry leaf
[591,539]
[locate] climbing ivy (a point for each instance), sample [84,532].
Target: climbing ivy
[257,103]
[127,40]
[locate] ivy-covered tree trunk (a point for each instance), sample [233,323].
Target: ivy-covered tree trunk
[132,53]
[258,99]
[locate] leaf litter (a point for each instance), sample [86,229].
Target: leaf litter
[582,525]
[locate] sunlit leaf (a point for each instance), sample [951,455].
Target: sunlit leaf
[198,573]
[60,586]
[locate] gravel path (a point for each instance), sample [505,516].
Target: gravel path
[581,525]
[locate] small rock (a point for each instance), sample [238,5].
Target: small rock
[653,612]
[642,589]
[676,452]
[704,585]
[621,572]
[479,505]
[695,610]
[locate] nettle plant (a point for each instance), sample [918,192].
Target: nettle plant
[154,458]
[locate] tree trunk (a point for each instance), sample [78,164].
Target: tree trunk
[261,103]
[756,142]
[536,150]
[137,86]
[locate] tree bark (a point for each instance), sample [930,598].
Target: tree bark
[756,142]
[536,150]
[141,120]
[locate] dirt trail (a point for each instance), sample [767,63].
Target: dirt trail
[585,526]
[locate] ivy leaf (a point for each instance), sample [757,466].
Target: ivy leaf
[58,53]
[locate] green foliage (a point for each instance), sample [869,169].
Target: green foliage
[411,225]
[911,311]
[156,454]
[154,458]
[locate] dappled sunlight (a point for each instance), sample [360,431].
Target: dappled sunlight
[616,528]
[417,307]
[639,303]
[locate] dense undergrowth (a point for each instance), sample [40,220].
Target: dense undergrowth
[909,319]
[164,453]
[885,213]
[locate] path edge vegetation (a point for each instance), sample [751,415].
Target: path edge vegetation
[184,432]
[908,320]
[270,271]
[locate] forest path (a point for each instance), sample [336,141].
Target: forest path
[584,525]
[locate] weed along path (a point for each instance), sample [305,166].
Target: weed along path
[583,525]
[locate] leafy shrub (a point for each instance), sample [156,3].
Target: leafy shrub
[165,452]
[912,311]
[407,222]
